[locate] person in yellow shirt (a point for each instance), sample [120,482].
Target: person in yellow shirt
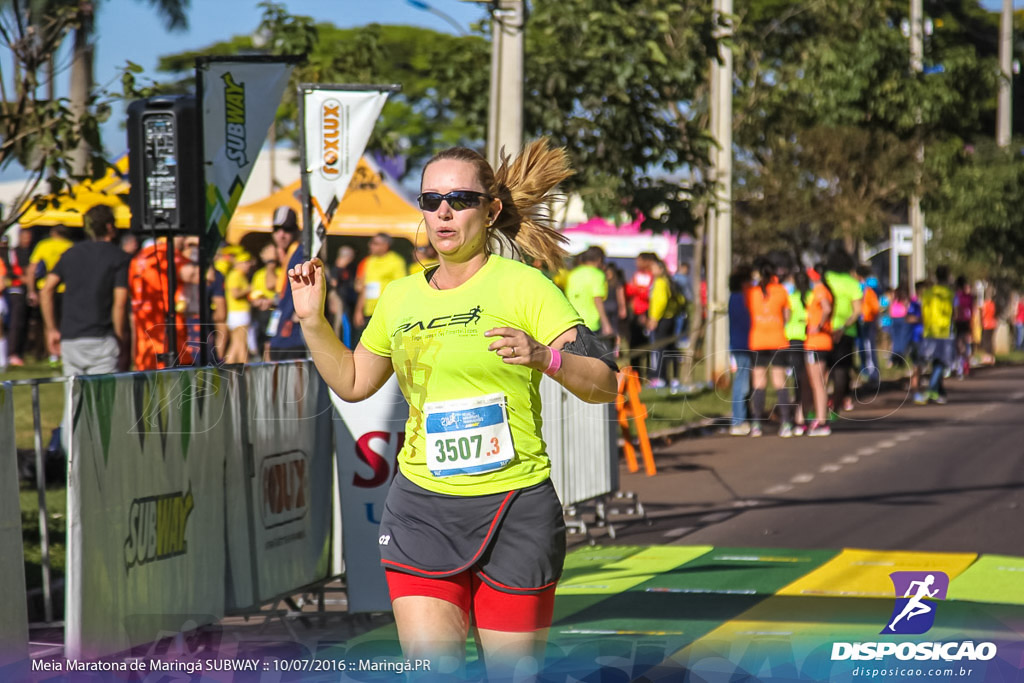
[237,290]
[378,270]
[44,257]
[225,259]
[425,257]
[263,295]
[661,315]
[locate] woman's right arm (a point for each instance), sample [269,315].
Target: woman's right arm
[353,375]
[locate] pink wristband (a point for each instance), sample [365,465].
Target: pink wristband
[555,363]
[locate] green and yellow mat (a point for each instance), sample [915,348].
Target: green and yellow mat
[700,613]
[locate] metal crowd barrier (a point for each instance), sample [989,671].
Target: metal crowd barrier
[581,443]
[40,462]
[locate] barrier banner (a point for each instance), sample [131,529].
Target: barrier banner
[239,98]
[288,422]
[145,552]
[13,601]
[336,124]
[368,436]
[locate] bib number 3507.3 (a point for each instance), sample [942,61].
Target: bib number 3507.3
[468,436]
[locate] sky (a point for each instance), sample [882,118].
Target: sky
[131,30]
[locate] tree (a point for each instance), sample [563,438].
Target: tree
[622,86]
[82,81]
[443,100]
[821,84]
[38,131]
[979,212]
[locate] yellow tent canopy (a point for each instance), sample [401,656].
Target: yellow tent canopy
[370,206]
[71,204]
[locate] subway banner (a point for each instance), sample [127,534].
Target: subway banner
[13,603]
[239,98]
[336,124]
[145,552]
[280,492]
[368,436]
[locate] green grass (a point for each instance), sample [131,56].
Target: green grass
[51,407]
[56,523]
[51,402]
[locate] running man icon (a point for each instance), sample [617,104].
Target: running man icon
[912,589]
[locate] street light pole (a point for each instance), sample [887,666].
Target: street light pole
[505,121]
[1003,116]
[917,264]
[719,235]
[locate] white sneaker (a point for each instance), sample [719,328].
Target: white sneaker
[755,430]
[786,431]
[742,429]
[819,429]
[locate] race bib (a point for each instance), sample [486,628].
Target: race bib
[372,291]
[468,436]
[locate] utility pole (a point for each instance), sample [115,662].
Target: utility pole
[719,233]
[505,122]
[1005,111]
[917,264]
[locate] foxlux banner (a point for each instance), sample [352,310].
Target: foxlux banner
[336,125]
[239,102]
[146,505]
[13,605]
[286,474]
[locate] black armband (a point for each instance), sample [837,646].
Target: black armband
[589,344]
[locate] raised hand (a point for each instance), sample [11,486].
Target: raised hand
[308,289]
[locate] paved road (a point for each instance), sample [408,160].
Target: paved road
[892,476]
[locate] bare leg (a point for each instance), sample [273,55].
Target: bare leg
[513,656]
[816,375]
[435,630]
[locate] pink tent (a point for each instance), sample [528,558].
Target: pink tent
[624,241]
[601,226]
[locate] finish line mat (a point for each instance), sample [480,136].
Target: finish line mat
[670,613]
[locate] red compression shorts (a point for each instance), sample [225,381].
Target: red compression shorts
[491,609]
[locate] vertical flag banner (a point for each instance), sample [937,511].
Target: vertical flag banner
[336,124]
[239,98]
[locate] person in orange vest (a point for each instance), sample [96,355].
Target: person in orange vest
[867,337]
[148,284]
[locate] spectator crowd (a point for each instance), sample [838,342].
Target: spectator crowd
[101,305]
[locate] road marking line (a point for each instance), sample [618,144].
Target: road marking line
[748,503]
[867,451]
[802,478]
[904,437]
[675,533]
[849,459]
[917,433]
[830,468]
[780,488]
[716,517]
[888,443]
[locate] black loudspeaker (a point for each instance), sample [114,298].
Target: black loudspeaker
[165,166]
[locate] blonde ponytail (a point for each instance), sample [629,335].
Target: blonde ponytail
[525,186]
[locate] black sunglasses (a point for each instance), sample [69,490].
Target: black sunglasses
[459,200]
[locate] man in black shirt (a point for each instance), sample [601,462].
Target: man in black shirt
[93,325]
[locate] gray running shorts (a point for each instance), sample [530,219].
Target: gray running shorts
[514,541]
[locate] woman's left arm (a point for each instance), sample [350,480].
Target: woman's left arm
[588,378]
